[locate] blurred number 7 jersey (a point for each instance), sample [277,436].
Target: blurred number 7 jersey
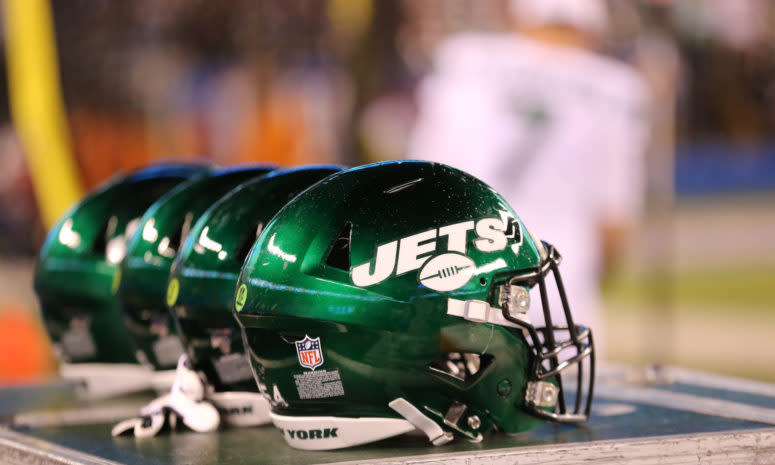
[560,132]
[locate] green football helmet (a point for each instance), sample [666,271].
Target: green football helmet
[203,280]
[142,285]
[77,266]
[397,296]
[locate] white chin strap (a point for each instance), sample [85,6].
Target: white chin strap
[479,311]
[326,433]
[192,401]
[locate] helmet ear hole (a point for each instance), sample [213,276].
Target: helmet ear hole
[175,238]
[339,252]
[461,367]
[100,244]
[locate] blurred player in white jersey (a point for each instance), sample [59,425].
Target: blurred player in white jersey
[558,129]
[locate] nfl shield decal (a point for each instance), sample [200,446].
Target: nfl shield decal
[310,355]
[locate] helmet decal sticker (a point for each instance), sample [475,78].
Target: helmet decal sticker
[414,250]
[441,270]
[514,231]
[172,292]
[457,234]
[447,272]
[116,281]
[313,384]
[308,350]
[242,296]
[383,266]
[492,235]
[303,434]
[319,384]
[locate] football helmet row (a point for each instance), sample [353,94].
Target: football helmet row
[343,305]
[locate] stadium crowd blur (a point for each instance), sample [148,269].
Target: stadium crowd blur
[306,81]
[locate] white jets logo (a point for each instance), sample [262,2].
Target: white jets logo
[445,272]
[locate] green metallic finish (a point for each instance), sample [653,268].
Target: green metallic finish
[381,338]
[80,256]
[204,275]
[152,250]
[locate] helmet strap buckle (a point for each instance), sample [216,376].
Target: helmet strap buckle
[476,311]
[455,413]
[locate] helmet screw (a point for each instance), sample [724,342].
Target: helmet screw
[504,388]
[474,422]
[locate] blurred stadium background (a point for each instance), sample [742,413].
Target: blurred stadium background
[303,81]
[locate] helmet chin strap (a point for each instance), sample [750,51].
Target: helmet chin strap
[479,311]
[192,401]
[436,435]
